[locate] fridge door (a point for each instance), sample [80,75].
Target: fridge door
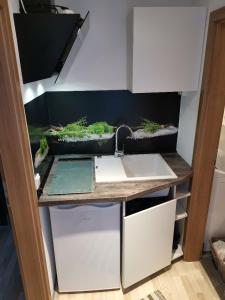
[87,246]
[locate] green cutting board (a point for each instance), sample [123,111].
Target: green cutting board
[70,175]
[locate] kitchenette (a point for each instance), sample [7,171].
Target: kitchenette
[111,167]
[122,231]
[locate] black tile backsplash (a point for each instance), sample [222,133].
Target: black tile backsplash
[37,112]
[114,107]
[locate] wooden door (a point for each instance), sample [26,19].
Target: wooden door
[210,118]
[17,170]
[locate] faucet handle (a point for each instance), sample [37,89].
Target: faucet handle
[119,154]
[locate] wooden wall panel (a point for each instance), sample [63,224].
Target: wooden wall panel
[210,118]
[18,171]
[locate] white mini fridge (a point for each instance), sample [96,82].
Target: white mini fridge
[86,242]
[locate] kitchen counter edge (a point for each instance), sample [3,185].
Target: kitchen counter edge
[124,191]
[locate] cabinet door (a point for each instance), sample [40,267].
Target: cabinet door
[167,48]
[147,242]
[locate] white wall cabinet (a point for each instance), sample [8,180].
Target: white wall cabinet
[147,242]
[167,45]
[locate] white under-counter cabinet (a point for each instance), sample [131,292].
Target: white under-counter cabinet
[166,46]
[147,239]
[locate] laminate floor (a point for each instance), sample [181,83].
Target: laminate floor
[182,281]
[10,280]
[214,275]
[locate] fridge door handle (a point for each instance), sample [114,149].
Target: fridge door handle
[74,206]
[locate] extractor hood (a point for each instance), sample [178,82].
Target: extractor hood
[45,41]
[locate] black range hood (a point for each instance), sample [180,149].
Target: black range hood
[45,41]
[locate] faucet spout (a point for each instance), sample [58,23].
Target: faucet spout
[119,153]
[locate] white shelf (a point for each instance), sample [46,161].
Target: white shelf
[183,190]
[182,195]
[177,253]
[180,212]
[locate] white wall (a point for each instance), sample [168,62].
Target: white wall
[14,5]
[34,89]
[187,125]
[30,90]
[101,63]
[211,4]
[220,161]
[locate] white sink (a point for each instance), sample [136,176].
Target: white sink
[132,168]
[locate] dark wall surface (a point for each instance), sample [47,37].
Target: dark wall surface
[114,107]
[37,113]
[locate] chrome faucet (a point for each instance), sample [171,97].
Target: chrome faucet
[121,152]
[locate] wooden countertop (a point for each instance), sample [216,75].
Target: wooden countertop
[124,191]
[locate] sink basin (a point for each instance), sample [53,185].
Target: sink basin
[132,168]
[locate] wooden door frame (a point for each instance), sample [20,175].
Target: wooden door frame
[17,170]
[211,109]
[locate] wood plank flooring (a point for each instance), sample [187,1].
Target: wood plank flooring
[10,280]
[214,275]
[183,281]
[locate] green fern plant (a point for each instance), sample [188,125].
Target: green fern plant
[100,128]
[149,126]
[77,129]
[36,132]
[43,145]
